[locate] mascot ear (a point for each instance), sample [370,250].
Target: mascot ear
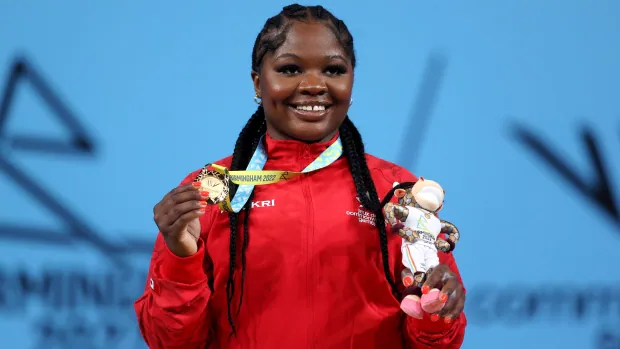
[399,193]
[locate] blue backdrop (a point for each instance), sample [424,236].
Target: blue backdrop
[512,105]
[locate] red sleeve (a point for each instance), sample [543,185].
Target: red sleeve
[172,312]
[423,333]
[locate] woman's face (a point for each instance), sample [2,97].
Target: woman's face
[305,85]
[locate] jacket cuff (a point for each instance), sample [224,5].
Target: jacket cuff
[184,270]
[426,325]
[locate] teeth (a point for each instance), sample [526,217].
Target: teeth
[311,108]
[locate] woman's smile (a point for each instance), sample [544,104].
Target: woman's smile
[310,111]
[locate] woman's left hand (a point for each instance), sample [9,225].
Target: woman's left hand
[445,280]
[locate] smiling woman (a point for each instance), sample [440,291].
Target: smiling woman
[300,271]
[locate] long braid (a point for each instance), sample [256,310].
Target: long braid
[246,236]
[375,204]
[230,285]
[245,146]
[366,191]
[260,130]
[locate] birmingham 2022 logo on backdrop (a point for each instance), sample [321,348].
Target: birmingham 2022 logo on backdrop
[515,305]
[76,307]
[600,303]
[598,190]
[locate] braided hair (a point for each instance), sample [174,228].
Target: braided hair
[270,38]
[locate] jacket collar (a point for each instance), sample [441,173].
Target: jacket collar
[292,155]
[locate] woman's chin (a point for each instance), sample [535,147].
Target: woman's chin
[314,134]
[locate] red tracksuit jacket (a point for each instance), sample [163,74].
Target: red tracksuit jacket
[314,276]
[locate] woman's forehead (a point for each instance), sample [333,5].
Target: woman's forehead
[310,37]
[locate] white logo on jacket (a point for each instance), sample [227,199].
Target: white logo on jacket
[362,215]
[264,203]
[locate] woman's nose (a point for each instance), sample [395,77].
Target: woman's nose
[312,85]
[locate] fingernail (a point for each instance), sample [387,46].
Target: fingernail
[204,193]
[196,184]
[202,209]
[408,281]
[447,320]
[203,204]
[443,297]
[425,289]
[434,317]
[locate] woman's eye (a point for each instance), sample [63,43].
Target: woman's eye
[289,69]
[336,70]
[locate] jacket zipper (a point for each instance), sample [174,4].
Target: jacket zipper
[310,279]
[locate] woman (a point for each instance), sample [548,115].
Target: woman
[307,263]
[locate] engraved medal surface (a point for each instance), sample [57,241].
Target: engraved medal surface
[215,183]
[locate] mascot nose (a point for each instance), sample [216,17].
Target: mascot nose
[431,194]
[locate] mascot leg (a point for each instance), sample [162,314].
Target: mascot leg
[431,301]
[413,278]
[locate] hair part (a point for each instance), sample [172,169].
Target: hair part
[270,38]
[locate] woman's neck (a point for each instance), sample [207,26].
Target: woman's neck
[280,136]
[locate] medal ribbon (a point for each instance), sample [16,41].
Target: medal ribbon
[254,174]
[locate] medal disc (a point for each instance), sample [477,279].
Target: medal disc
[215,183]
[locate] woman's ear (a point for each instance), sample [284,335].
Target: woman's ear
[256,83]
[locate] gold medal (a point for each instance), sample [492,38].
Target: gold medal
[215,183]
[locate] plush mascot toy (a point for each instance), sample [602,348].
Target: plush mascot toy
[415,219]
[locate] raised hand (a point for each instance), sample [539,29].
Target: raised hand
[177,217]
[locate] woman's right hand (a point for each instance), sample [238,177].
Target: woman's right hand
[177,217]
